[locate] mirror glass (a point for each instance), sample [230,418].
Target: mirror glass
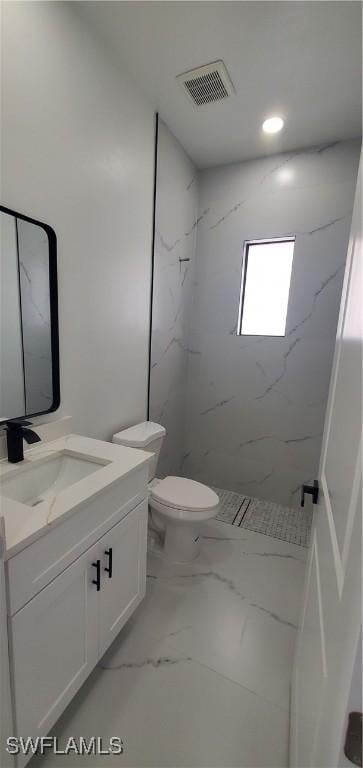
[29,362]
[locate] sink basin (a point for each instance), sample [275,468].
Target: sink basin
[44,479]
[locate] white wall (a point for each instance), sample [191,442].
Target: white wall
[77,153]
[174,262]
[256,405]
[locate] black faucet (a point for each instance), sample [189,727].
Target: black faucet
[17,431]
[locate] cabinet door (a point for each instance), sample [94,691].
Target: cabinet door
[54,646]
[124,548]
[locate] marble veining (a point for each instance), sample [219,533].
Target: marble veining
[256,480]
[167,246]
[204,671]
[170,246]
[274,170]
[25,524]
[289,441]
[177,220]
[38,310]
[196,222]
[226,215]
[246,413]
[162,661]
[259,429]
[180,344]
[220,404]
[216,577]
[274,616]
[232,587]
[223,538]
[279,378]
[271,554]
[316,295]
[326,226]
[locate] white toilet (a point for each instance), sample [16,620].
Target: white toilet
[176,504]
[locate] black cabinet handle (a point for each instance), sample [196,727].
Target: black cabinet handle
[108,568]
[313,490]
[97,580]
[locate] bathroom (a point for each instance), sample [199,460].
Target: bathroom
[189,612]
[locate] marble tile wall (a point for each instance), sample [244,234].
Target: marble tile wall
[174,262]
[255,406]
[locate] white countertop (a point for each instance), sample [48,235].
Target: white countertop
[24,524]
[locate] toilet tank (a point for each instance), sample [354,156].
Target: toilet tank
[146,436]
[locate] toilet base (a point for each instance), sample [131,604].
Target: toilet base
[182,543]
[177,541]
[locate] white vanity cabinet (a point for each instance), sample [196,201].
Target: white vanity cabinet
[57,636]
[123,574]
[54,642]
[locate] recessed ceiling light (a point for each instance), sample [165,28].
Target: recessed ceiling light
[273,125]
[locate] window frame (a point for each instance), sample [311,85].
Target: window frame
[246,246]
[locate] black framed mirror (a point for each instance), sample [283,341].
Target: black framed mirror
[29,341]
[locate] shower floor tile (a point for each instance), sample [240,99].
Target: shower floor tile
[284,523]
[230,506]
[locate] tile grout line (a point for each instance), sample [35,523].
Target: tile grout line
[240,685]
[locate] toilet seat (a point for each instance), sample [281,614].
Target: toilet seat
[179,497]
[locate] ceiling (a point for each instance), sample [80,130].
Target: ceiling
[300,60]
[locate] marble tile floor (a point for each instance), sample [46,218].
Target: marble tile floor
[286,523]
[200,675]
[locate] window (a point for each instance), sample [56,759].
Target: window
[265,286]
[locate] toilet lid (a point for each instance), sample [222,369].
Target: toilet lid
[181,493]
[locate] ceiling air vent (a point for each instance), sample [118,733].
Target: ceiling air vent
[208,83]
